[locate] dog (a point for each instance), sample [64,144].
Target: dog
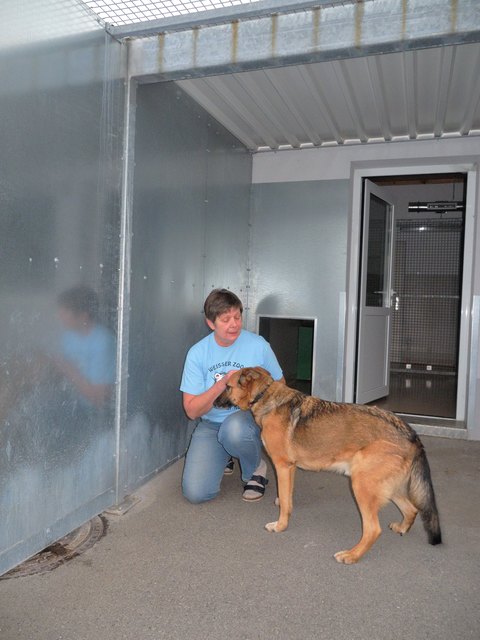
[383,455]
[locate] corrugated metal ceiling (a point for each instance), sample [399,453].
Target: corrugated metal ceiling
[415,94]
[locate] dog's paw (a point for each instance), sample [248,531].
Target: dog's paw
[274,527]
[277,501]
[345,557]
[397,527]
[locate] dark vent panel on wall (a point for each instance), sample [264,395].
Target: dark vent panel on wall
[292,340]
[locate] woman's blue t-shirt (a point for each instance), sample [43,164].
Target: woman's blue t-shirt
[207,361]
[93,354]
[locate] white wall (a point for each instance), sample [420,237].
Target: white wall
[335,163]
[299,263]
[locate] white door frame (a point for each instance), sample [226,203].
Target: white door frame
[353,272]
[373,353]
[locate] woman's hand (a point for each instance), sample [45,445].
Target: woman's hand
[196,406]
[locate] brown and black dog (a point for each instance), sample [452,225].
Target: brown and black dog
[382,454]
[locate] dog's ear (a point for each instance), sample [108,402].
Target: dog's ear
[250,374]
[243,379]
[260,372]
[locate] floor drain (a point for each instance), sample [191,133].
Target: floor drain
[71,546]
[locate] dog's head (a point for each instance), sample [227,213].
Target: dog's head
[244,387]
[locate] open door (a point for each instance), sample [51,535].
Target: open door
[375,296]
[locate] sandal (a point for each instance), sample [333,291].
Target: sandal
[254,492]
[229,467]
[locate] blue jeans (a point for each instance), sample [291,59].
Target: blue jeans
[211,446]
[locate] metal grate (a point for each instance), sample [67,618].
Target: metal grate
[121,12]
[427,282]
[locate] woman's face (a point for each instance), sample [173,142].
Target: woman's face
[227,327]
[73,321]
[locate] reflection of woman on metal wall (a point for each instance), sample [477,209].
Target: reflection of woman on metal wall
[87,351]
[81,373]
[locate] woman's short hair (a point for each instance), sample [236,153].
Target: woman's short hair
[220,301]
[80,299]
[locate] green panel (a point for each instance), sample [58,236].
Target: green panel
[305,353]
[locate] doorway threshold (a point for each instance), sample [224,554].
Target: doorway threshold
[440,427]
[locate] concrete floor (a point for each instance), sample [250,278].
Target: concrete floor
[168,569]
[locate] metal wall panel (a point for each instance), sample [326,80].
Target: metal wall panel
[299,263]
[60,135]
[190,233]
[229,178]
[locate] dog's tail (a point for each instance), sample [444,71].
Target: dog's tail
[420,490]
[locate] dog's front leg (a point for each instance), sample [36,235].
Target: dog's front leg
[285,479]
